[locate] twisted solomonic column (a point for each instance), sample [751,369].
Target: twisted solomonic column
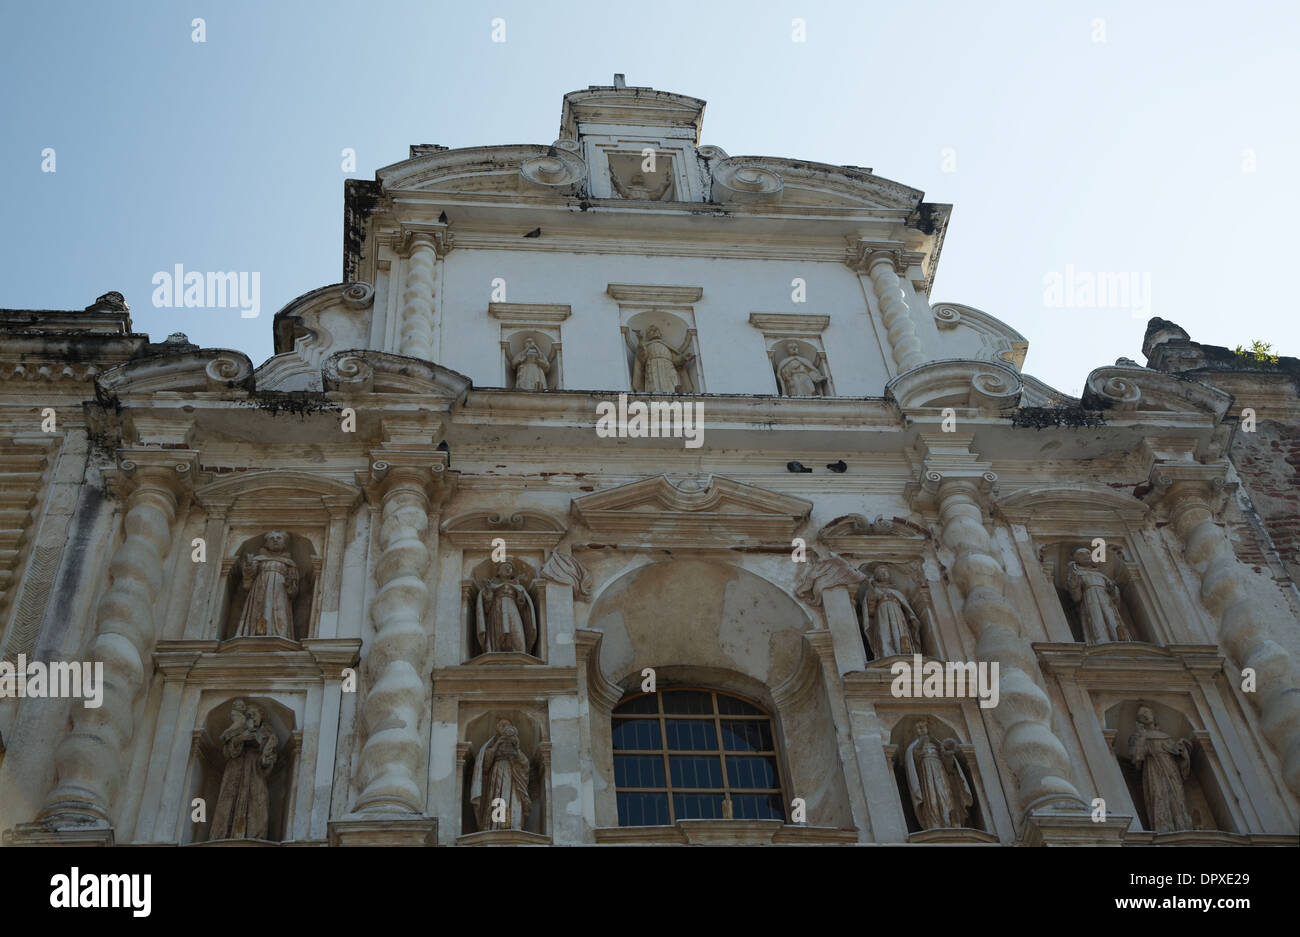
[90,760]
[1192,494]
[904,344]
[404,485]
[1024,712]
[417,310]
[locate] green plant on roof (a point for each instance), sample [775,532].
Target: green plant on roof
[1258,352]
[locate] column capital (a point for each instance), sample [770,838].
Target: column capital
[171,470]
[425,468]
[411,235]
[935,479]
[865,254]
[1175,485]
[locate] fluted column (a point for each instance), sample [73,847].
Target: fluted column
[403,485]
[1024,712]
[1192,495]
[417,306]
[903,343]
[90,760]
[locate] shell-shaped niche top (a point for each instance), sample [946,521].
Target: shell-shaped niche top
[736,180]
[560,167]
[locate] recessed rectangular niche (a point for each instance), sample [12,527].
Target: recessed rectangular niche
[531,350]
[660,320]
[796,353]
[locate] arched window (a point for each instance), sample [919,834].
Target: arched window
[688,754]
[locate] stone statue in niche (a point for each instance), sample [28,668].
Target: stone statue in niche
[798,376]
[501,776]
[243,803]
[659,368]
[638,188]
[890,624]
[506,618]
[270,578]
[822,573]
[1096,596]
[531,367]
[1164,762]
[940,795]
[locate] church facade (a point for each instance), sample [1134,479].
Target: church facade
[625,491]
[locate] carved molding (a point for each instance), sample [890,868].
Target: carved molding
[525,529]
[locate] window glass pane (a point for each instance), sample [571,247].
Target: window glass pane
[693,735]
[746,736]
[637,734]
[639,771]
[730,706]
[642,809]
[698,806]
[688,702]
[638,705]
[692,771]
[757,807]
[751,772]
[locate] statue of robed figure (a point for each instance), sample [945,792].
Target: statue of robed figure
[531,367]
[1096,595]
[270,577]
[243,802]
[505,616]
[660,368]
[1165,763]
[941,796]
[499,786]
[890,624]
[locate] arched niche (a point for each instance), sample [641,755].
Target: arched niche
[676,332]
[533,742]
[1202,790]
[208,765]
[717,626]
[778,351]
[527,575]
[301,550]
[909,579]
[1056,558]
[903,735]
[244,507]
[549,351]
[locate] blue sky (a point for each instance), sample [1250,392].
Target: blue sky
[1166,151]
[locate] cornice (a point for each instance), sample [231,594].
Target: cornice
[789,323]
[653,295]
[529,313]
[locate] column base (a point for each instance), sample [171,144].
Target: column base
[44,834]
[1045,828]
[384,831]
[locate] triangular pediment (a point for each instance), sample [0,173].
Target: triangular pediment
[714,512]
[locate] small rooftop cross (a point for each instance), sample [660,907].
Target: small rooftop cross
[619,80]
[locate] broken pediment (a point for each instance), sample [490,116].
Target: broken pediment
[853,534]
[521,530]
[714,512]
[767,179]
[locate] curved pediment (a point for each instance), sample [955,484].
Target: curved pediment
[999,340]
[717,511]
[799,182]
[308,323]
[1127,388]
[1075,504]
[364,371]
[517,168]
[959,382]
[523,529]
[300,495]
[208,369]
